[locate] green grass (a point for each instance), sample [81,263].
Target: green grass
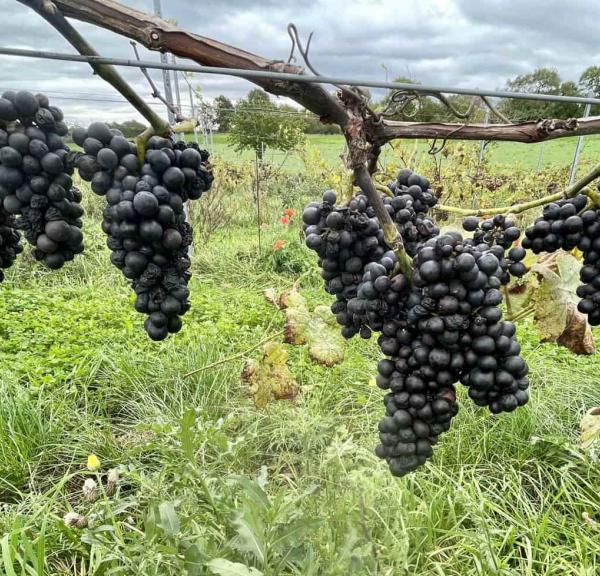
[206,478]
[556,153]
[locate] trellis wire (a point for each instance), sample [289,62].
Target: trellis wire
[304,78]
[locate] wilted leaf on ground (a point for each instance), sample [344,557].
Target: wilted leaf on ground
[325,343]
[269,377]
[590,429]
[271,296]
[318,329]
[297,319]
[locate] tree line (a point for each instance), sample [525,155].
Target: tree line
[540,81]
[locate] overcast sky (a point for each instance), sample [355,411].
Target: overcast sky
[467,43]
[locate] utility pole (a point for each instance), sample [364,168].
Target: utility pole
[166,76]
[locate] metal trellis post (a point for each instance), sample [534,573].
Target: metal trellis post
[166,75]
[176,83]
[540,158]
[586,113]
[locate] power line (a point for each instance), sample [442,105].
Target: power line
[304,78]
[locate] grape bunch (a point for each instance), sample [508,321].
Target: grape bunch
[144,218]
[452,332]
[503,232]
[10,242]
[566,224]
[421,402]
[445,328]
[559,227]
[413,198]
[357,266]
[35,177]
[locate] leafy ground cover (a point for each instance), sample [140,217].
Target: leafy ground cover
[209,484]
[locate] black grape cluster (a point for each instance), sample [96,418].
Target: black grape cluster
[445,328]
[421,402]
[144,218]
[413,198]
[568,224]
[559,227]
[35,177]
[503,232]
[10,242]
[356,264]
[453,332]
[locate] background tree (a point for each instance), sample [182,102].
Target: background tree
[589,82]
[259,124]
[224,109]
[540,81]
[130,128]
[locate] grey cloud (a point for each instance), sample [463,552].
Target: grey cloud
[456,42]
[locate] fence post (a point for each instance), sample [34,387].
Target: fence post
[540,158]
[486,120]
[166,75]
[474,200]
[586,113]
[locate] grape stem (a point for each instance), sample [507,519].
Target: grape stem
[521,314]
[509,307]
[384,189]
[391,236]
[569,192]
[140,143]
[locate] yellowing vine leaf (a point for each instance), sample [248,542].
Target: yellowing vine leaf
[577,335]
[550,300]
[555,303]
[317,329]
[568,269]
[269,377]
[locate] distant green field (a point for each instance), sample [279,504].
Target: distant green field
[555,153]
